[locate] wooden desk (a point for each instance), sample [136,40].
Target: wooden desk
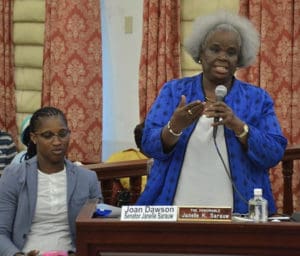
[112,235]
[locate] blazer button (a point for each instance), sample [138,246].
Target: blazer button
[24,236]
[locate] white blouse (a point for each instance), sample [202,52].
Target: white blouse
[50,228]
[203,180]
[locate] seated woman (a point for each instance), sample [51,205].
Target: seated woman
[41,197]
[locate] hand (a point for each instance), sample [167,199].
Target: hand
[226,116]
[185,114]
[33,253]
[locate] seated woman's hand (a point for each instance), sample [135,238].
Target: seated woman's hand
[33,253]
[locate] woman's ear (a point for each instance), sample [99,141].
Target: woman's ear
[33,137]
[200,57]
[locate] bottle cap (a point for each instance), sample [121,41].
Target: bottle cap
[257,191]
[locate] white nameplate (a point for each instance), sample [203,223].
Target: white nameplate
[148,213]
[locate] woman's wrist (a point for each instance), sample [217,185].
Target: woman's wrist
[168,139]
[244,132]
[174,133]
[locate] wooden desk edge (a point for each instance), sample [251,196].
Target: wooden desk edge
[120,169]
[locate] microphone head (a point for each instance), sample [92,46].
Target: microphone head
[220,92]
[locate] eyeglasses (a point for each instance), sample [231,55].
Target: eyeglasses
[48,135]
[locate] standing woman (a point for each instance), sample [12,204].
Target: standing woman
[41,197]
[191,167]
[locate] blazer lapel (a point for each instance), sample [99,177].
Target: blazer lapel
[32,179]
[71,180]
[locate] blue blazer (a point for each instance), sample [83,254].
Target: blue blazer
[18,196]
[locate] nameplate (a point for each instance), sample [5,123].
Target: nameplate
[204,213]
[148,213]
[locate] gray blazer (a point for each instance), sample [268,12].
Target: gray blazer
[18,196]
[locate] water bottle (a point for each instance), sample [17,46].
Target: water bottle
[258,207]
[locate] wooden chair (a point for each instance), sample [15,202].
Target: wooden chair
[108,173]
[292,154]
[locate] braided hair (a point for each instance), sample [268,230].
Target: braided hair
[35,122]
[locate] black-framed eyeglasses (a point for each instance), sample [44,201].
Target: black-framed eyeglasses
[48,135]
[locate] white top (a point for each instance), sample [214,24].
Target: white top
[203,180]
[50,229]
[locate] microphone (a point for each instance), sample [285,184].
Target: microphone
[220,92]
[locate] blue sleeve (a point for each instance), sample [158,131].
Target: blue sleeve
[158,116]
[266,143]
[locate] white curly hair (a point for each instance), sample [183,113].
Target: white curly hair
[224,20]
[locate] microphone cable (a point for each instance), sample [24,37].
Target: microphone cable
[228,173]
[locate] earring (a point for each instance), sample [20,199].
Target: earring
[199,61]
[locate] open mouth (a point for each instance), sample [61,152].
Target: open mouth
[57,151]
[221,70]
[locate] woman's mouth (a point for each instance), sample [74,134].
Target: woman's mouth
[221,70]
[58,151]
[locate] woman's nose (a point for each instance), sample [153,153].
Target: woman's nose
[56,139]
[223,56]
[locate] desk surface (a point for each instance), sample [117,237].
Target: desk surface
[112,235]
